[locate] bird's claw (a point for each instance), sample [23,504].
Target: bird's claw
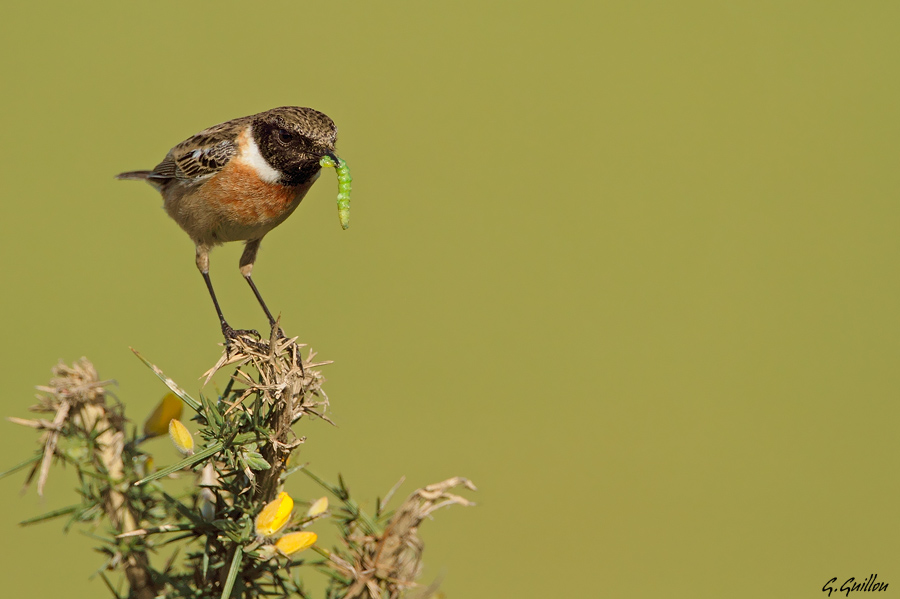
[231,335]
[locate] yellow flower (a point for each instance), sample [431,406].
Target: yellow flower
[157,423]
[295,541]
[274,515]
[318,507]
[181,437]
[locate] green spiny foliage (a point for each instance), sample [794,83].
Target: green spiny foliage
[228,529]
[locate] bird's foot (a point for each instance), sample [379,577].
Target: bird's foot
[232,335]
[276,332]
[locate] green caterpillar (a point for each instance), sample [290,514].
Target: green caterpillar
[344,182]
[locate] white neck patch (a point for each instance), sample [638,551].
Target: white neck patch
[251,156]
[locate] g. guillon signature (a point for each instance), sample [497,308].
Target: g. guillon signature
[852,585]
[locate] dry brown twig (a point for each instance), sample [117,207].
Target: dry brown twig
[389,564]
[77,398]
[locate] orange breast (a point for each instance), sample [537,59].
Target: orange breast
[238,195]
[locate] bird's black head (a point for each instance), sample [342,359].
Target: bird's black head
[293,140]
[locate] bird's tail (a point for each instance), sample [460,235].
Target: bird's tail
[135,175]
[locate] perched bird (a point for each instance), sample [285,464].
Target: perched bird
[238,180]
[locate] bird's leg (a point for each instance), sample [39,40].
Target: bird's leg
[203,265]
[247,260]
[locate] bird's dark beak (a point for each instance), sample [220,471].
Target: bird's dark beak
[333,156]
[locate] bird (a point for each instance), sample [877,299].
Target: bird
[238,180]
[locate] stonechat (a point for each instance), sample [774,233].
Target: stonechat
[238,180]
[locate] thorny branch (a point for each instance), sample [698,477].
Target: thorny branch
[247,439]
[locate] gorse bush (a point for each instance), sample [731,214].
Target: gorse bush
[232,531]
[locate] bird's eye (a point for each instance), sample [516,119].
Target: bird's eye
[284,137]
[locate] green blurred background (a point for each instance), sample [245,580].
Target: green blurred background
[631,267]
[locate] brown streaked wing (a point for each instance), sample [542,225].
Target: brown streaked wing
[203,154]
